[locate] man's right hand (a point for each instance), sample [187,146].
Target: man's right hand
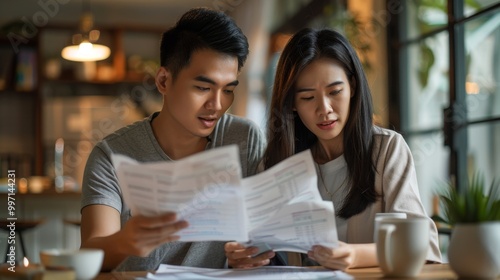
[101,228]
[141,235]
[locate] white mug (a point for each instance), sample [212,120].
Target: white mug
[402,246]
[381,216]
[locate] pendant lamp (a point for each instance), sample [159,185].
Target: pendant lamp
[83,46]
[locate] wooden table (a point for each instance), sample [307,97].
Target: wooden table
[430,271]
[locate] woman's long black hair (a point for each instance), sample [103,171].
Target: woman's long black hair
[287,135]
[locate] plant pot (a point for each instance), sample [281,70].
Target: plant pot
[474,250]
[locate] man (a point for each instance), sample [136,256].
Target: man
[200,60]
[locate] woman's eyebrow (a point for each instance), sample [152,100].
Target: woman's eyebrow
[336,83]
[304,89]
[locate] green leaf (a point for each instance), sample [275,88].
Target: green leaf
[475,204]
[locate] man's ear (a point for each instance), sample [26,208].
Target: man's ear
[163,76]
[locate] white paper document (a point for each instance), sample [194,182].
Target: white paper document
[279,209]
[285,210]
[265,272]
[203,189]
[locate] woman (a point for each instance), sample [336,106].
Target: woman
[321,101]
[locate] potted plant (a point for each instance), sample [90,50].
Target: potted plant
[474,215]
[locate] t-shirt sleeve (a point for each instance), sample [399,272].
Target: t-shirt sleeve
[100,184]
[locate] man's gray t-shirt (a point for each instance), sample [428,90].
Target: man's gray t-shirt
[100,185]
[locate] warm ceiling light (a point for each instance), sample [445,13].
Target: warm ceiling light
[83,48]
[86,51]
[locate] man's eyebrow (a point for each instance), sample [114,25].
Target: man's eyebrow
[210,81]
[233,83]
[329,85]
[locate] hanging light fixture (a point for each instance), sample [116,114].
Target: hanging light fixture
[84,48]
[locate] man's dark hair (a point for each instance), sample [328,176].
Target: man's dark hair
[197,29]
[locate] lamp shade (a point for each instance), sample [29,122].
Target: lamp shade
[86,51]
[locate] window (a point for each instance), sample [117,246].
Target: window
[444,92]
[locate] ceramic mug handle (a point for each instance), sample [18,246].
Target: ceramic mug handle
[384,247]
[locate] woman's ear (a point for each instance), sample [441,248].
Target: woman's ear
[163,76]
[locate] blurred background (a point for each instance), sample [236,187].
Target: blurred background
[433,68]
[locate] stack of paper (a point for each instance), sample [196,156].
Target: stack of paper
[165,272]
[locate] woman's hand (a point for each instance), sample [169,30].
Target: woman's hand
[339,258]
[345,256]
[239,256]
